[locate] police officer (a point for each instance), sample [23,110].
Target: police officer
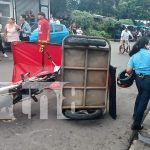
[140,62]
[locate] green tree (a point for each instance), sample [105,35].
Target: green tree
[134,9]
[58,7]
[103,7]
[72,5]
[89,5]
[83,19]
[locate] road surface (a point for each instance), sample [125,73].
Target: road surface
[54,134]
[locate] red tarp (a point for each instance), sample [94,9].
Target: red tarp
[28,58]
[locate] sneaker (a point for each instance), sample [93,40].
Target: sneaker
[5,55]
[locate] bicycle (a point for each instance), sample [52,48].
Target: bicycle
[124,47]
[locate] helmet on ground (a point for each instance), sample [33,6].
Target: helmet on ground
[124,80]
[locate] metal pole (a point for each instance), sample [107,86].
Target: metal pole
[12,2]
[39,5]
[46,5]
[15,11]
[13,5]
[49,9]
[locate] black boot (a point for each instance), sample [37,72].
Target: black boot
[136,127]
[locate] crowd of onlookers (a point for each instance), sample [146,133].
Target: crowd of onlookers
[139,32]
[14,32]
[21,31]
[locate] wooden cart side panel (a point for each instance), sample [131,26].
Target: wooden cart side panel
[86,68]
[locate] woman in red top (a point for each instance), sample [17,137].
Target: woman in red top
[43,28]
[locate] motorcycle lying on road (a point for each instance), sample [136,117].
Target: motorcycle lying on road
[12,93]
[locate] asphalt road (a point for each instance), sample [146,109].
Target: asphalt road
[54,134]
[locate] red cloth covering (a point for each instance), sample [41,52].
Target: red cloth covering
[28,58]
[43,28]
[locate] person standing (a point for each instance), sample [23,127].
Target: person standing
[11,32]
[43,28]
[140,62]
[73,28]
[79,31]
[31,18]
[1,46]
[25,29]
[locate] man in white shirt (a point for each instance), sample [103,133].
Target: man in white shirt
[125,34]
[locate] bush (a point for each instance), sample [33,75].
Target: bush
[97,26]
[110,25]
[126,21]
[92,32]
[83,19]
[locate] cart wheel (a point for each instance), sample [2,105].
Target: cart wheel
[83,114]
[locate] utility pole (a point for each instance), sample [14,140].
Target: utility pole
[14,9]
[44,6]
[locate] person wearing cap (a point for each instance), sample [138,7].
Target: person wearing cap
[43,28]
[125,34]
[140,62]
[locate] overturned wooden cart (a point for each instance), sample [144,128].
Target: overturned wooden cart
[89,78]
